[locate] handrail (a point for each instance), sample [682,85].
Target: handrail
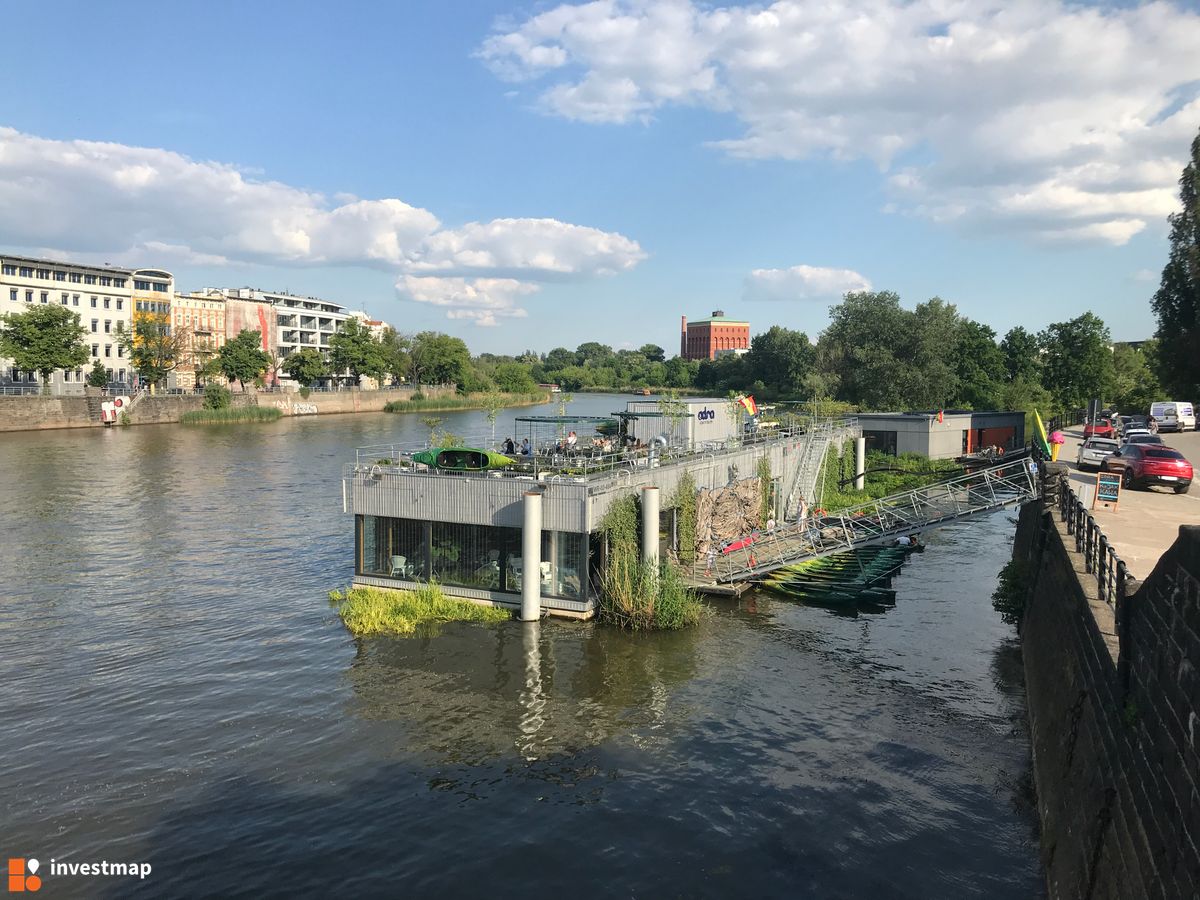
[1099,557]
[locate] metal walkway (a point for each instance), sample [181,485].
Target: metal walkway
[879,521]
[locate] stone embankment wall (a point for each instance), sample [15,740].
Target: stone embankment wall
[32,413]
[1114,696]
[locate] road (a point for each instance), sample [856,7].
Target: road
[1145,522]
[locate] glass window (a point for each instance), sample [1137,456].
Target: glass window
[106,303]
[65,298]
[26,272]
[75,300]
[120,303]
[12,294]
[105,281]
[93,303]
[43,274]
[60,276]
[95,349]
[89,279]
[566,553]
[95,324]
[76,277]
[119,282]
[45,296]
[394,548]
[476,556]
[10,270]
[108,326]
[108,349]
[29,296]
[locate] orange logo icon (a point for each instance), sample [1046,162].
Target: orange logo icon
[18,881]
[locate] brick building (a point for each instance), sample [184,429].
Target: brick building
[712,337]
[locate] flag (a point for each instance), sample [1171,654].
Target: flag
[1042,442]
[749,404]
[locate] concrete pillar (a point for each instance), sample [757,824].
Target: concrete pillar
[650,524]
[531,558]
[860,463]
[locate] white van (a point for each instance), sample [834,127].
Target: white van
[1174,415]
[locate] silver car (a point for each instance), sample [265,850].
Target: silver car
[1094,451]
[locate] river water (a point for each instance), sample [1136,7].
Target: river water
[178,692]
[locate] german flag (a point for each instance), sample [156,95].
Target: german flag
[748,403]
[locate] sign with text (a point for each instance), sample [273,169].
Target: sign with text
[1108,489]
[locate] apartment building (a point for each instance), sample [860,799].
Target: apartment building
[201,318]
[102,297]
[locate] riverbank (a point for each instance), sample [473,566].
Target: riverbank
[471,401]
[38,413]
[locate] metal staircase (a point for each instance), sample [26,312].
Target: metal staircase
[806,483]
[879,521]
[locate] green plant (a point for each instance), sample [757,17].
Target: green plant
[417,395]
[217,396]
[370,610]
[764,486]
[1012,592]
[124,419]
[305,392]
[685,512]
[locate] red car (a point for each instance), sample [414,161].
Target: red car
[1100,428]
[1141,465]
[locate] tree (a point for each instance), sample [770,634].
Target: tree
[242,358]
[155,348]
[42,339]
[354,349]
[440,359]
[98,376]
[861,347]
[513,378]
[1078,361]
[1135,385]
[653,352]
[780,358]
[306,366]
[1176,303]
[395,348]
[1022,355]
[980,366]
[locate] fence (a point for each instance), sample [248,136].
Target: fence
[1100,560]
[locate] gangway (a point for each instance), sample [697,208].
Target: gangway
[879,521]
[804,490]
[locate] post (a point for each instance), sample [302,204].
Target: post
[860,463]
[531,558]
[650,525]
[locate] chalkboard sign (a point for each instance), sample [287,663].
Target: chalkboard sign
[1108,489]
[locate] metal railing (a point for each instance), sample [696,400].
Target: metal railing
[1100,559]
[874,522]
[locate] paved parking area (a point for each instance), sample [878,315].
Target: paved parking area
[1145,522]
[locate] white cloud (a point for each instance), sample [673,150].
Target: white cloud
[802,283]
[481,300]
[146,206]
[1036,117]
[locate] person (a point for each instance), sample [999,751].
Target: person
[526,450]
[770,524]
[572,442]
[709,559]
[904,541]
[1153,424]
[510,448]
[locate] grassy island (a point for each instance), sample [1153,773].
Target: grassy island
[231,414]
[420,403]
[369,610]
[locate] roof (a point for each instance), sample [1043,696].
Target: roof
[38,261]
[721,319]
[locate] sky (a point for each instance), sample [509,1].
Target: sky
[526,176]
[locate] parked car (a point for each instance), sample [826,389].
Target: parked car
[1141,465]
[1093,452]
[1135,432]
[1140,437]
[1100,428]
[1174,415]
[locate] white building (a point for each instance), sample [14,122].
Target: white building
[299,322]
[102,297]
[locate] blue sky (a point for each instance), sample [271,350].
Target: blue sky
[586,172]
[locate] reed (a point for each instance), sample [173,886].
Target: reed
[232,414]
[473,401]
[370,610]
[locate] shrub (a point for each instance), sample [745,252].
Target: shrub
[217,396]
[305,392]
[1012,592]
[370,610]
[98,376]
[417,395]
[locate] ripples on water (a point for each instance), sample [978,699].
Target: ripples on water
[178,691]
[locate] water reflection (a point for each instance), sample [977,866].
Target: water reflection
[477,693]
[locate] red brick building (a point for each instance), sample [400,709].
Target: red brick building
[712,337]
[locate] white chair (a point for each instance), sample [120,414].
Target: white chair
[545,567]
[400,566]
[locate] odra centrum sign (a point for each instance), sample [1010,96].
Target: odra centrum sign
[706,415]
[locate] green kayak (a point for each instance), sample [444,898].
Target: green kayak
[462,459]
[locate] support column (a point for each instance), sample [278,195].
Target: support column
[650,525]
[860,463]
[531,558]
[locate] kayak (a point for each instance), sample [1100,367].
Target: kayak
[739,545]
[462,459]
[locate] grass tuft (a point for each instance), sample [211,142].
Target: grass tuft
[420,403]
[232,414]
[643,597]
[370,610]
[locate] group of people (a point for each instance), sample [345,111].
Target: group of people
[568,445]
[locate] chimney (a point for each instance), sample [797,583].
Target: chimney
[683,336]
